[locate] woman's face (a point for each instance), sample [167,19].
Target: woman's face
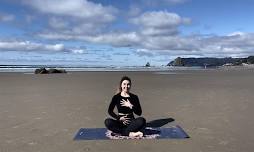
[126,86]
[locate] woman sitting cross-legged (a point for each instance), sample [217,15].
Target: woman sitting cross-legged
[127,104]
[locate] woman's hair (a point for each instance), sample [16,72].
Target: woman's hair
[119,89]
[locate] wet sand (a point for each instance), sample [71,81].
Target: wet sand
[44,112]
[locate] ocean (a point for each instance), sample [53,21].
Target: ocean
[31,68]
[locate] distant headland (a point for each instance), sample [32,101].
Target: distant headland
[211,62]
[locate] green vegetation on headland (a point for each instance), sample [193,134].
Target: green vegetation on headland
[211,62]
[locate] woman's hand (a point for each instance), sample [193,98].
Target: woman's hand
[126,103]
[125,120]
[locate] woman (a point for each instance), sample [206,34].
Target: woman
[127,103]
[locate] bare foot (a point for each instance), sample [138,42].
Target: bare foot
[136,134]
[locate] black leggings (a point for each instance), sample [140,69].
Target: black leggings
[116,126]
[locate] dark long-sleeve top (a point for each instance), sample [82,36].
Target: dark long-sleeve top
[116,100]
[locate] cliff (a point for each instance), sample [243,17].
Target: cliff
[210,61]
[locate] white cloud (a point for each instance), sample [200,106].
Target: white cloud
[116,39]
[200,46]
[134,11]
[30,18]
[159,23]
[174,1]
[57,23]
[78,51]
[56,47]
[144,52]
[82,9]
[6,17]
[73,18]
[30,46]
[87,29]
[57,36]
[154,3]
[169,43]
[212,46]
[73,27]
[160,19]
[235,33]
[159,32]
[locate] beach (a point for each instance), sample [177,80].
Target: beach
[42,113]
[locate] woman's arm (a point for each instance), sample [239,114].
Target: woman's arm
[111,108]
[136,106]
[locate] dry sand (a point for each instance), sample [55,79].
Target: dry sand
[44,112]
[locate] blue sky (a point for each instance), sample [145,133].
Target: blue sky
[123,33]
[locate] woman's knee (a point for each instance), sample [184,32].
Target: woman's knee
[141,120]
[107,122]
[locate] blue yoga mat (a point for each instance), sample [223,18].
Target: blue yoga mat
[174,132]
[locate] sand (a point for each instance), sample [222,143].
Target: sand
[44,112]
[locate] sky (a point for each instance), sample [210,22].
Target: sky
[123,32]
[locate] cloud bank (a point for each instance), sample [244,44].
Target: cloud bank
[27,46]
[150,32]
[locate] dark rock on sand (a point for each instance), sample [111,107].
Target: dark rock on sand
[56,71]
[147,64]
[50,71]
[41,71]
